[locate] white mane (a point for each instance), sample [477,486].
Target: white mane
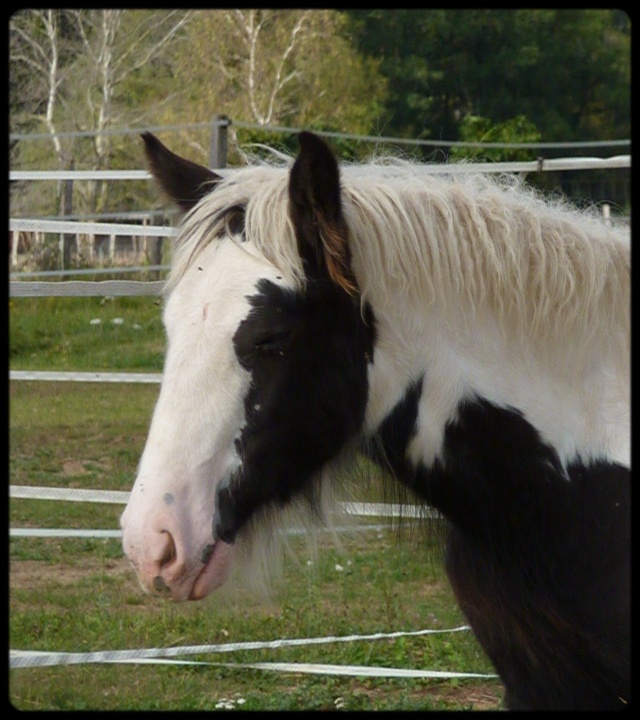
[540,266]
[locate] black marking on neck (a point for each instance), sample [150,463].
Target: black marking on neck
[538,554]
[389,445]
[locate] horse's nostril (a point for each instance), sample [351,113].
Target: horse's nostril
[160,586]
[169,551]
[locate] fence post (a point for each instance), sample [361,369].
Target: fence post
[15,239]
[156,247]
[218,147]
[67,209]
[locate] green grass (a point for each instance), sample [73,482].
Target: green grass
[80,594]
[57,334]
[83,601]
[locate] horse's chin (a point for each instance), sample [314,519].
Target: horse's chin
[215,572]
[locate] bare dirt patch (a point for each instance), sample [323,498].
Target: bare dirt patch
[74,467]
[33,574]
[472,695]
[477,697]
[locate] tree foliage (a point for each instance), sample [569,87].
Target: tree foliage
[69,71]
[292,68]
[478,129]
[473,75]
[566,71]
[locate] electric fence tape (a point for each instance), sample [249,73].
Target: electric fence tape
[38,658]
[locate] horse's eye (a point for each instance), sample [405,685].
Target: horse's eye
[274,342]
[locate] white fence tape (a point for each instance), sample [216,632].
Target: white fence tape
[63,533]
[79,175]
[121,497]
[117,534]
[37,492]
[541,165]
[118,270]
[89,228]
[39,658]
[106,377]
[311,668]
[348,670]
[84,288]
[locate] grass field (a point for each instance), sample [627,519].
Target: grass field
[79,595]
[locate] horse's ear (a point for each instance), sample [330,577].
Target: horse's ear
[316,212]
[185,182]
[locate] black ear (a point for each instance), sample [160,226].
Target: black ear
[316,212]
[185,182]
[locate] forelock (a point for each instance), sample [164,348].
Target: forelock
[261,193]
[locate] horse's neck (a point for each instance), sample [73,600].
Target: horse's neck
[578,405]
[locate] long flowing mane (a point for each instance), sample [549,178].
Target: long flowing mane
[539,265]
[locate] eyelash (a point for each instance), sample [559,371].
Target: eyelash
[272,343]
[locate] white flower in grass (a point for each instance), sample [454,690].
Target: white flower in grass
[339,568]
[224,704]
[95,321]
[117,321]
[229,704]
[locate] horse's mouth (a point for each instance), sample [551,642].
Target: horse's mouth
[218,561]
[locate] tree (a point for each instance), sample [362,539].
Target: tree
[81,62]
[287,67]
[35,80]
[113,50]
[39,43]
[477,129]
[566,71]
[36,73]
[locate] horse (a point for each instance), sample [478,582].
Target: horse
[469,335]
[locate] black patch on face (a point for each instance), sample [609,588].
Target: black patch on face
[307,353]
